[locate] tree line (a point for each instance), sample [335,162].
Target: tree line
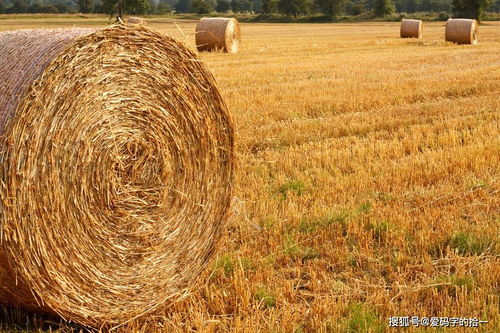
[330,9]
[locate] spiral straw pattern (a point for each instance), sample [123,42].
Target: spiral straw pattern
[117,167]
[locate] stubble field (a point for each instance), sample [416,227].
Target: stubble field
[367,185]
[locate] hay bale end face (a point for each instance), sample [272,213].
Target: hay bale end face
[218,33]
[135,20]
[117,170]
[462,31]
[411,28]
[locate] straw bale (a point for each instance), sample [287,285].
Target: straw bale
[116,169]
[462,31]
[411,28]
[135,20]
[218,33]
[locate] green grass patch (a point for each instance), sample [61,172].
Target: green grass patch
[364,208]
[225,265]
[296,187]
[267,223]
[312,225]
[296,251]
[466,243]
[451,284]
[363,319]
[264,297]
[380,229]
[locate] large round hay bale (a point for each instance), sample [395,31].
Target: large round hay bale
[462,31]
[218,33]
[135,20]
[116,169]
[411,28]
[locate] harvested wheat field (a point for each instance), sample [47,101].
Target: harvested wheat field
[367,182]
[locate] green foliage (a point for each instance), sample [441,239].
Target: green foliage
[331,8]
[225,264]
[267,223]
[297,251]
[18,6]
[22,6]
[295,186]
[183,6]
[384,7]
[443,16]
[270,6]
[241,6]
[495,6]
[120,7]
[294,7]
[355,8]
[223,6]
[163,8]
[201,7]
[465,243]
[264,297]
[470,8]
[3,6]
[37,7]
[452,284]
[364,208]
[362,319]
[310,226]
[86,6]
[414,6]
[380,229]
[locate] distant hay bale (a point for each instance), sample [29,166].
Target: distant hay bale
[462,31]
[135,20]
[411,28]
[116,171]
[218,33]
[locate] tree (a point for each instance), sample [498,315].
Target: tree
[257,6]
[64,6]
[183,6]
[120,7]
[201,7]
[163,8]
[222,6]
[271,6]
[3,6]
[86,6]
[495,7]
[35,7]
[355,8]
[18,6]
[241,6]
[332,8]
[384,7]
[294,7]
[411,6]
[470,8]
[49,9]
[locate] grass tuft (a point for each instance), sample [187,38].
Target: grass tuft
[265,298]
[363,319]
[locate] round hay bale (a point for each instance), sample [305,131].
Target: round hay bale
[411,28]
[135,20]
[116,171]
[462,31]
[218,33]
